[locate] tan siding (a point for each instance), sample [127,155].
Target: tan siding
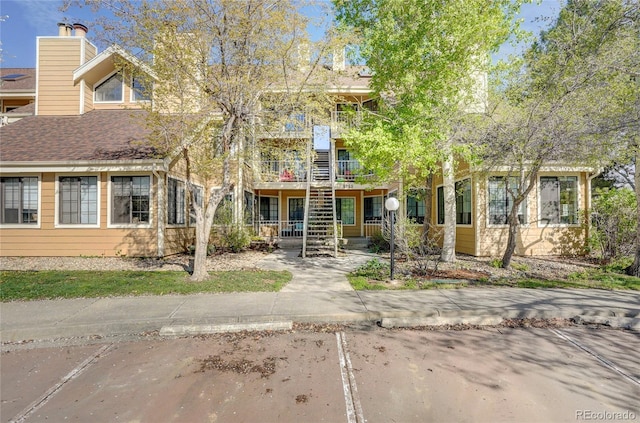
[51,241]
[532,239]
[178,240]
[58,58]
[88,97]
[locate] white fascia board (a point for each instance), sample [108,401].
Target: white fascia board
[83,166]
[559,167]
[106,54]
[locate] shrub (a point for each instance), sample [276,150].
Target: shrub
[235,237]
[613,218]
[373,269]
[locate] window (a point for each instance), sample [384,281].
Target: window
[500,201]
[296,208]
[440,205]
[269,208]
[415,209]
[19,199]
[345,210]
[110,90]
[559,200]
[372,208]
[138,91]
[463,202]
[78,200]
[130,199]
[176,202]
[248,207]
[197,197]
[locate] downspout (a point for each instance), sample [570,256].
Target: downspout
[160,212]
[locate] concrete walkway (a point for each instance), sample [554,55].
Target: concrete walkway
[319,292]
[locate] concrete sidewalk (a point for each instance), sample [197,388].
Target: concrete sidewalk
[319,292]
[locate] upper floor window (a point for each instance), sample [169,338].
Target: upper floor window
[110,90]
[501,197]
[19,200]
[559,199]
[78,200]
[138,90]
[130,199]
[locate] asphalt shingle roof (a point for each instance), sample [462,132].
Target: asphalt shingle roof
[96,135]
[21,84]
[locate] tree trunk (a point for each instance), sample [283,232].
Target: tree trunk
[511,240]
[203,230]
[448,254]
[634,269]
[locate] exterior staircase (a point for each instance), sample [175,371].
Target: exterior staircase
[321,235]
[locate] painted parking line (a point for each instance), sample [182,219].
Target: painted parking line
[351,398]
[77,371]
[627,375]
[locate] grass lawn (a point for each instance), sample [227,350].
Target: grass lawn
[374,275]
[37,285]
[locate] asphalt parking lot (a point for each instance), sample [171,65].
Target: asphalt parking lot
[341,374]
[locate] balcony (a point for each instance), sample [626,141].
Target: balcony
[272,124]
[283,171]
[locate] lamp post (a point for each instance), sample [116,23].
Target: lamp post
[392,205]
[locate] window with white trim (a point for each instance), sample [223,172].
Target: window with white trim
[176,202]
[19,200]
[78,200]
[269,209]
[296,209]
[500,200]
[559,200]
[346,211]
[415,209]
[130,199]
[463,202]
[110,90]
[138,90]
[372,209]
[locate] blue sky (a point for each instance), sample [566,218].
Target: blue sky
[24,20]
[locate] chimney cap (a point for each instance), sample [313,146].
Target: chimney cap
[81,27]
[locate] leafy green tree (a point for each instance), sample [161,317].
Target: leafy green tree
[572,101]
[211,63]
[428,60]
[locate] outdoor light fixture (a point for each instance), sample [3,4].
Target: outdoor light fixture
[392,204]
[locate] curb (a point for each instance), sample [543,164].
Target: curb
[183,330]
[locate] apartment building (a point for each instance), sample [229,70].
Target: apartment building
[79,178]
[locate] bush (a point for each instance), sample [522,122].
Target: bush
[374,269]
[613,217]
[235,238]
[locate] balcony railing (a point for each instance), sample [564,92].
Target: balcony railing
[283,171]
[272,229]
